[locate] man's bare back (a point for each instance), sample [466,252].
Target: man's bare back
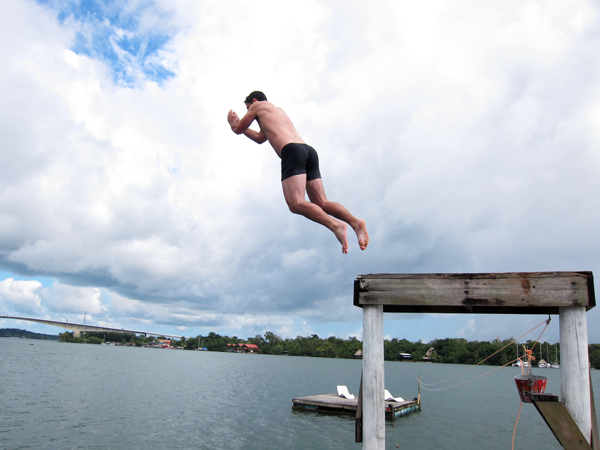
[274,123]
[278,129]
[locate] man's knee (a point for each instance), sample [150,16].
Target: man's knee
[320,202]
[294,207]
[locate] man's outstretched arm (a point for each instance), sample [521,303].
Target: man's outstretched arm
[241,126]
[257,136]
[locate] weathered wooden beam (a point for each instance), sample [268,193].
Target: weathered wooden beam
[373,410]
[476,293]
[575,368]
[560,422]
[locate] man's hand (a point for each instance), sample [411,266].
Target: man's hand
[239,126]
[233,119]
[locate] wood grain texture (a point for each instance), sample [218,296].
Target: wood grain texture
[575,367]
[562,425]
[487,293]
[373,410]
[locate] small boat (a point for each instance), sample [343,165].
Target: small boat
[556,364]
[543,364]
[520,363]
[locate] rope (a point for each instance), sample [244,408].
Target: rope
[515,431]
[530,352]
[472,379]
[547,322]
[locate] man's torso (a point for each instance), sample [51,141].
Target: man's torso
[276,125]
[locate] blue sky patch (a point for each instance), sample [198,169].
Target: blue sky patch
[113,33]
[46,281]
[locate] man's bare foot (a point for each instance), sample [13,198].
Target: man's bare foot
[341,235]
[361,233]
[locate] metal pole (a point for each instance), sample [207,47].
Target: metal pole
[373,379]
[574,364]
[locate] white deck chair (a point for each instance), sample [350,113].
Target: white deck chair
[388,397]
[343,392]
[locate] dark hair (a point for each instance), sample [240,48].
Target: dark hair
[257,95]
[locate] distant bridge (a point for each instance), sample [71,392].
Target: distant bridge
[79,327]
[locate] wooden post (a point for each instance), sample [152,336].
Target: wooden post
[373,382]
[574,364]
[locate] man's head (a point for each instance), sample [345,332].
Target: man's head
[259,96]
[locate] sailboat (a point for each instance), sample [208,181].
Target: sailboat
[519,362]
[542,364]
[555,364]
[548,363]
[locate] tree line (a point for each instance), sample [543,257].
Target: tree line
[450,350]
[16,332]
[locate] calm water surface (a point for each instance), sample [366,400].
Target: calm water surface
[72,396]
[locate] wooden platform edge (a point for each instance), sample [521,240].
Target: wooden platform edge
[394,301]
[560,422]
[332,404]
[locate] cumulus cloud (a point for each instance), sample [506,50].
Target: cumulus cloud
[464,133]
[21,294]
[62,298]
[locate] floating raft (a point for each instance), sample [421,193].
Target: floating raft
[334,404]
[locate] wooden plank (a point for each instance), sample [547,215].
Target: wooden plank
[480,293]
[327,400]
[562,425]
[543,397]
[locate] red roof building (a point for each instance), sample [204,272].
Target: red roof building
[251,348]
[243,348]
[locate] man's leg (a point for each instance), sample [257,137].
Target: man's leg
[294,189]
[316,193]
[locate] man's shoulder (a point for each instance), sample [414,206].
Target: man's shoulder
[263,105]
[262,109]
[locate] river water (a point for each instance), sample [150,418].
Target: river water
[72,396]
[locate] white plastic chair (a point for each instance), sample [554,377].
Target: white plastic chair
[343,392]
[388,397]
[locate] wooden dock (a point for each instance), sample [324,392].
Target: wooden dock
[334,404]
[569,294]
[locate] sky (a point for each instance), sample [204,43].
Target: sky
[465,133]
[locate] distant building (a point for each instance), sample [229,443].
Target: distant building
[251,348]
[358,354]
[165,343]
[243,348]
[404,357]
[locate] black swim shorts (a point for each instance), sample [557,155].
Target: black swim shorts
[297,159]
